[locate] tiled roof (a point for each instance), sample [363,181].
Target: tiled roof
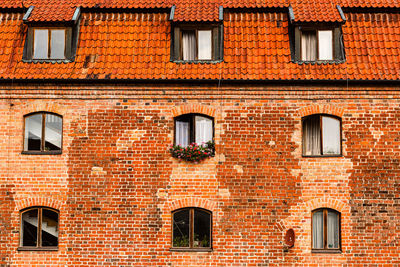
[256,47]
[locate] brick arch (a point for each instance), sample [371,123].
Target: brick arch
[194,108]
[45,107]
[190,202]
[326,203]
[317,109]
[38,201]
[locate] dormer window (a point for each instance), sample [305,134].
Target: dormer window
[49,43]
[318,44]
[197,43]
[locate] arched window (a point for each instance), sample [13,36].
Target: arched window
[43,132]
[326,230]
[193,128]
[39,228]
[191,228]
[321,135]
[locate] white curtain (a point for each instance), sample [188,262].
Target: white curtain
[205,46]
[311,136]
[308,46]
[189,45]
[331,135]
[318,229]
[325,45]
[333,229]
[204,131]
[182,133]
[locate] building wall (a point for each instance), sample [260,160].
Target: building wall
[115,183]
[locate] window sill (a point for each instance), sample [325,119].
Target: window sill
[37,249]
[212,61]
[326,251]
[320,62]
[322,156]
[191,249]
[57,152]
[47,61]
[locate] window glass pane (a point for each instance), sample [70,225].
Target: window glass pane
[331,135]
[49,228]
[29,228]
[318,229]
[40,44]
[308,46]
[181,228]
[188,45]
[325,45]
[333,229]
[53,132]
[311,136]
[205,44]
[204,130]
[33,132]
[201,229]
[57,44]
[182,132]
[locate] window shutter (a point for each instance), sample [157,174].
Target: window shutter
[338,43]
[68,43]
[175,46]
[216,43]
[28,48]
[297,44]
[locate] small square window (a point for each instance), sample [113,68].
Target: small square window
[39,229]
[316,45]
[197,44]
[49,44]
[321,136]
[43,133]
[191,229]
[193,128]
[325,230]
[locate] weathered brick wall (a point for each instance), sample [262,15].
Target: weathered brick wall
[116,184]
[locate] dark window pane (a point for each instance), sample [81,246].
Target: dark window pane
[311,136]
[33,132]
[201,229]
[40,45]
[29,228]
[331,135]
[318,229]
[49,228]
[181,228]
[57,44]
[53,132]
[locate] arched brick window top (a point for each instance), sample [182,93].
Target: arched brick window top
[43,133]
[193,128]
[326,230]
[39,228]
[191,229]
[322,135]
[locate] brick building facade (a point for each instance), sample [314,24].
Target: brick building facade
[120,88]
